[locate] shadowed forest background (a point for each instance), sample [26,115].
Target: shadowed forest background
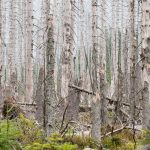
[74,74]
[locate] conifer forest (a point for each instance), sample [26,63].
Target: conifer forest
[74,74]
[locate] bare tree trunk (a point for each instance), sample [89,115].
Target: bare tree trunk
[1,50]
[51,99]
[102,57]
[145,56]
[24,4]
[96,107]
[126,68]
[133,63]
[29,51]
[66,54]
[39,98]
[74,96]
[82,50]
[12,39]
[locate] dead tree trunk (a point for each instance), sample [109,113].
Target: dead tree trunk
[39,98]
[12,39]
[95,108]
[132,63]
[1,51]
[51,99]
[29,53]
[145,56]
[66,54]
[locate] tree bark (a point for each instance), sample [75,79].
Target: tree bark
[145,56]
[66,53]
[1,50]
[95,106]
[51,98]
[29,53]
[12,39]
[39,98]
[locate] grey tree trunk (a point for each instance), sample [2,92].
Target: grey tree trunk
[66,54]
[102,57]
[132,63]
[39,98]
[95,106]
[12,39]
[145,56]
[29,53]
[51,99]
[1,50]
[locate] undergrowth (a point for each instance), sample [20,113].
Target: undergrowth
[24,134]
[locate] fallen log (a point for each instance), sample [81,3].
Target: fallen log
[119,130]
[26,104]
[82,90]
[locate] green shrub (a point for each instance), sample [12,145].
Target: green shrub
[9,135]
[55,142]
[81,141]
[146,138]
[120,141]
[50,146]
[20,131]
[30,131]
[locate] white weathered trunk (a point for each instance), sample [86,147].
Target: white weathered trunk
[20,37]
[114,54]
[66,54]
[12,39]
[82,48]
[29,55]
[82,55]
[95,106]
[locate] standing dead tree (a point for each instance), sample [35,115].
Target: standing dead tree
[145,55]
[51,98]
[96,101]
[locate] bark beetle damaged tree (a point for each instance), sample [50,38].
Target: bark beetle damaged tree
[51,99]
[79,69]
[145,56]
[96,101]
[29,52]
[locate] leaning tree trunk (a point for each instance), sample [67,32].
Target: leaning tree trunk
[145,56]
[95,108]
